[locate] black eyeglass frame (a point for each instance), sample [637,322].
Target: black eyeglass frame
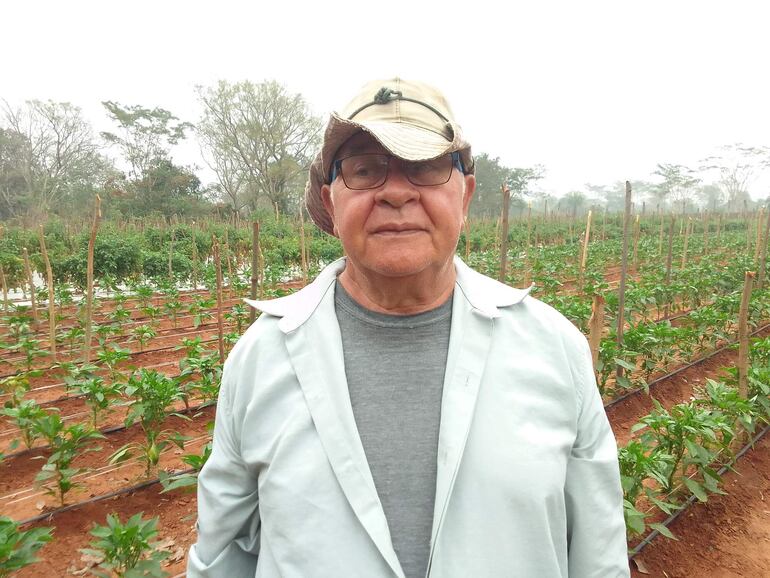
[336,170]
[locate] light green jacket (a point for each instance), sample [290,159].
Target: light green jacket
[527,483]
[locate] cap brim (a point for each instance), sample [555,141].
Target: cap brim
[406,141]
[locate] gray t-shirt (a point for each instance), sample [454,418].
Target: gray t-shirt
[395,367]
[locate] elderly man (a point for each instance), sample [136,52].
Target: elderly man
[404,415]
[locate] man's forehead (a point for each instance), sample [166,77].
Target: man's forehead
[361,142]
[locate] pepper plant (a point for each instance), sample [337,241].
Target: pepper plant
[143,334]
[173,305]
[24,416]
[99,396]
[152,395]
[111,356]
[18,547]
[195,461]
[199,309]
[57,475]
[127,550]
[238,314]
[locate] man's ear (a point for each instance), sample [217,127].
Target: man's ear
[326,197]
[470,188]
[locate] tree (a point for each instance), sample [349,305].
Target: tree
[490,175]
[736,168]
[51,148]
[146,136]
[613,196]
[574,201]
[13,187]
[678,184]
[260,140]
[711,197]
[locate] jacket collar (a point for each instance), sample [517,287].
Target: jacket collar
[485,295]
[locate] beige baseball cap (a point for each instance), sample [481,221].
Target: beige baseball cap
[412,120]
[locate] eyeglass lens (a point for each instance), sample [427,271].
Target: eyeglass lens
[368,171]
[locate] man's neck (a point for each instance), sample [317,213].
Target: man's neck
[399,295]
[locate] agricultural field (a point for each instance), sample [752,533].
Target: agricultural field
[109,380]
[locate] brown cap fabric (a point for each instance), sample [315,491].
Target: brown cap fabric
[412,120]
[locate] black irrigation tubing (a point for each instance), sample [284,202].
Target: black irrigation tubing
[654,534]
[114,429]
[678,370]
[130,489]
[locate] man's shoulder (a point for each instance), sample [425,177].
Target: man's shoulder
[294,309]
[519,305]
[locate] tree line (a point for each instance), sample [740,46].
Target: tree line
[258,139]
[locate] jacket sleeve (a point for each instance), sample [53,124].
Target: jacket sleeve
[596,530]
[228,514]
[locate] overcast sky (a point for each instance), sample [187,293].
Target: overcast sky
[595,91]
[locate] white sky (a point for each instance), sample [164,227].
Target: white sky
[595,91]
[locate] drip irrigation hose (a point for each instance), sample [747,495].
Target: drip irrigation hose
[654,534]
[657,380]
[120,492]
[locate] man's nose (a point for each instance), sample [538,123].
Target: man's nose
[397,190]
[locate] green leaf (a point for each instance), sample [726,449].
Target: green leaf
[696,488]
[625,364]
[663,530]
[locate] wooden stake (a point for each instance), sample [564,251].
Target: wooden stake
[763,254]
[669,258]
[623,271]
[687,230]
[743,337]
[706,233]
[759,235]
[604,225]
[220,333]
[90,277]
[719,229]
[5,290]
[51,299]
[748,231]
[171,255]
[504,233]
[660,236]
[31,284]
[228,262]
[595,327]
[254,267]
[194,262]
[584,257]
[529,232]
[636,244]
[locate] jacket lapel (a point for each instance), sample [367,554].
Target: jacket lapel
[315,348]
[468,347]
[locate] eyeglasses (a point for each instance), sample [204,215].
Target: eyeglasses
[370,170]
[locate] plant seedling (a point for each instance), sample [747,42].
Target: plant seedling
[18,548]
[127,550]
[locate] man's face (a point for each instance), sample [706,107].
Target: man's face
[397,229]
